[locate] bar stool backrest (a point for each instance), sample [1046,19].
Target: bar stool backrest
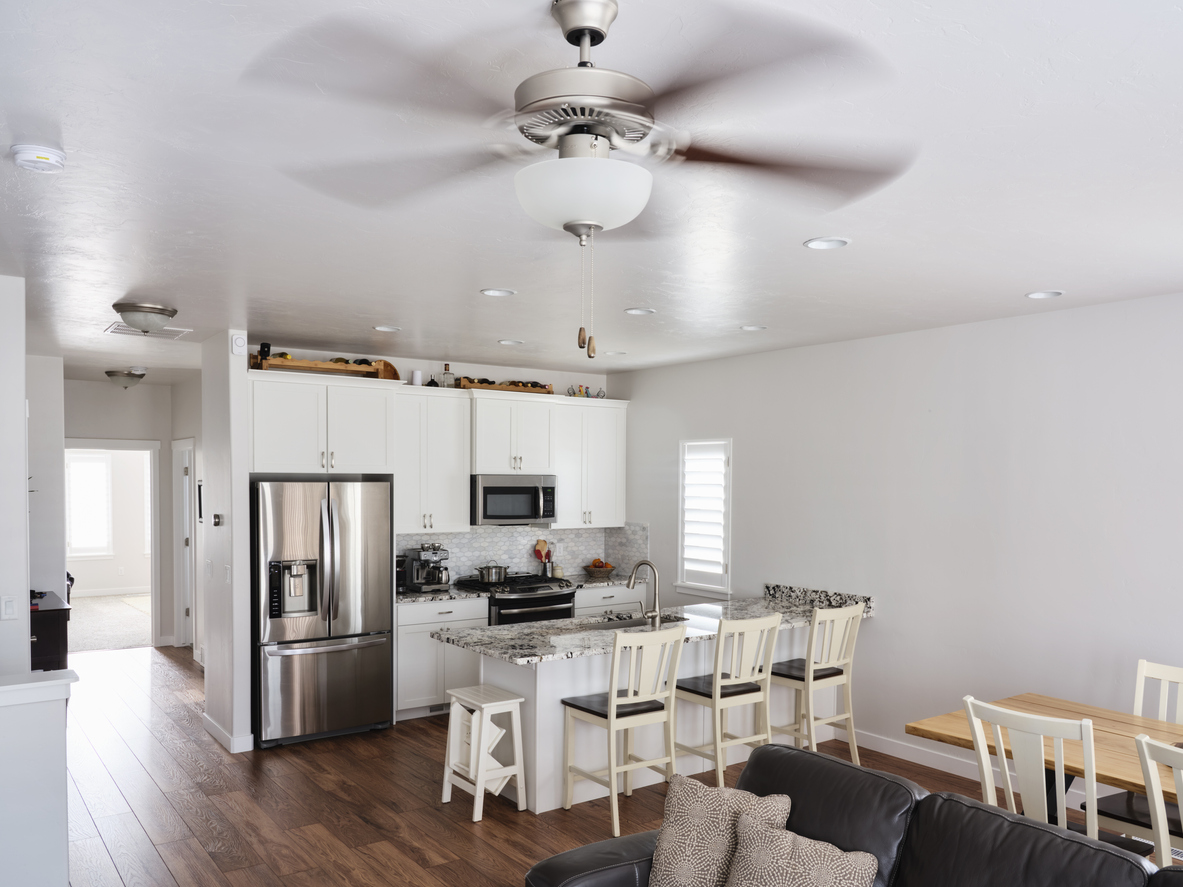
[832,636]
[744,651]
[649,671]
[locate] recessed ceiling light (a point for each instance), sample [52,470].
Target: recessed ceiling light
[1045,294]
[827,242]
[492,291]
[752,327]
[640,310]
[388,329]
[614,353]
[510,342]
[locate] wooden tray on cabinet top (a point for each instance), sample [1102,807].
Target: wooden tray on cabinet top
[381,369]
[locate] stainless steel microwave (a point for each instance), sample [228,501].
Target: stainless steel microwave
[509,500]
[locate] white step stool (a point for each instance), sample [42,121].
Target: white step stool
[472,736]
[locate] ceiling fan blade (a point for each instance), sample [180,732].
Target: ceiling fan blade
[844,179]
[380,183]
[743,43]
[342,57]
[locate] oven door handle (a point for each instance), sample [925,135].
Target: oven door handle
[535,609]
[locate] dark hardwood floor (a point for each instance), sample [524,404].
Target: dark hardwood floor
[155,800]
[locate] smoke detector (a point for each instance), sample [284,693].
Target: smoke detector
[38,158]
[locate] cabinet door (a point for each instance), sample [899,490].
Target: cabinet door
[568,470]
[446,464]
[603,460]
[361,430]
[462,668]
[410,422]
[420,667]
[492,438]
[288,427]
[532,437]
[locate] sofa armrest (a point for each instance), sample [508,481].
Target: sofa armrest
[1171,876]
[620,862]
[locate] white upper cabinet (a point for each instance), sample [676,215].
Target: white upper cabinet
[305,427]
[590,464]
[432,473]
[290,429]
[512,435]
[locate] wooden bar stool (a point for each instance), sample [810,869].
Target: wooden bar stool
[472,736]
[744,651]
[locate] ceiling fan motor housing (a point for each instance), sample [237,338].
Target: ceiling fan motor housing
[580,17]
[595,101]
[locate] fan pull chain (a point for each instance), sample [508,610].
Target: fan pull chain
[582,291]
[591,286]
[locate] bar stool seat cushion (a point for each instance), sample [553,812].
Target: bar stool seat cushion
[597,704]
[703,685]
[794,669]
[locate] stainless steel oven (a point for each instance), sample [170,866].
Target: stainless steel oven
[512,500]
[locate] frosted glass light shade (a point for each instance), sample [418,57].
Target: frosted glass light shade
[608,193]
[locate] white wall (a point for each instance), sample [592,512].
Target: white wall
[127,570]
[225,568]
[100,410]
[47,502]
[14,542]
[1011,492]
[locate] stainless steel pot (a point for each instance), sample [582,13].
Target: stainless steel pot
[491,572]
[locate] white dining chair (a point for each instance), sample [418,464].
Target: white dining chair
[829,663]
[744,649]
[1025,740]
[645,670]
[1151,753]
[1127,812]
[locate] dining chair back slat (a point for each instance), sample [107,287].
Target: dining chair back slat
[1168,677]
[1152,753]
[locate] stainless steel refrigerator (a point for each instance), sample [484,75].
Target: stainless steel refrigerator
[322,593]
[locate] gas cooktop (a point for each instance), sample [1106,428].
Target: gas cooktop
[515,584]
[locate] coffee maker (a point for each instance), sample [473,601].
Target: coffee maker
[428,572]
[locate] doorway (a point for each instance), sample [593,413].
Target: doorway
[112,543]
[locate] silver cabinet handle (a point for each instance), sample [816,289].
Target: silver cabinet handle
[333,460]
[589,518]
[425,521]
[444,612]
[322,458]
[607,597]
[32,639]
[431,521]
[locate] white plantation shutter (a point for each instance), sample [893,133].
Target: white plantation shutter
[703,538]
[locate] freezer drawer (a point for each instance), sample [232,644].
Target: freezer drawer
[324,686]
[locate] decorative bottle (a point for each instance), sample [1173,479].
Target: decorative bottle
[448,379]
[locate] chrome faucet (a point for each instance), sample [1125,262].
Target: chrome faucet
[654,615]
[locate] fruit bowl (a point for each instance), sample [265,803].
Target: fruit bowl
[599,574]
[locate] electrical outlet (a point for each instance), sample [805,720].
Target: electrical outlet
[558,549]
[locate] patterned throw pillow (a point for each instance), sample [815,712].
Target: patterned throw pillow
[773,857]
[697,839]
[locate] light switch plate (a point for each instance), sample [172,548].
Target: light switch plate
[8,607]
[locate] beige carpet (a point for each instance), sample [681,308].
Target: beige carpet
[110,622]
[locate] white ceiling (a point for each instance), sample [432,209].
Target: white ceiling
[1047,140]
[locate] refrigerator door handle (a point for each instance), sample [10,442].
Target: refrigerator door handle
[335,517]
[326,560]
[304,651]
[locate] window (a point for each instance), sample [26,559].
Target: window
[88,504]
[704,518]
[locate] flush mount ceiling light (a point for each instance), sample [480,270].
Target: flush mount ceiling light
[127,378]
[493,291]
[144,317]
[38,158]
[388,329]
[827,242]
[510,342]
[1045,294]
[640,310]
[752,327]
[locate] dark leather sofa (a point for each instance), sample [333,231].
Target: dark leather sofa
[920,839]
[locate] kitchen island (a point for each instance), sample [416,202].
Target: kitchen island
[547,661]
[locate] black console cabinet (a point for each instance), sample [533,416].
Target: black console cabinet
[48,628]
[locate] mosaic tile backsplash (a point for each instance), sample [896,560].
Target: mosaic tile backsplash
[512,547]
[624,546]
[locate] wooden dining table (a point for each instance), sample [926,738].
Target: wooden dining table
[1115,755]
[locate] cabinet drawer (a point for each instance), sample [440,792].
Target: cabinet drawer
[421,612]
[613,597]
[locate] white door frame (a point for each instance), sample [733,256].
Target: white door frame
[153,448]
[184,556]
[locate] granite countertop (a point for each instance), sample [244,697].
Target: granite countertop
[452,594]
[533,642]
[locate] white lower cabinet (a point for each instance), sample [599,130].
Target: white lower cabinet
[427,667]
[610,599]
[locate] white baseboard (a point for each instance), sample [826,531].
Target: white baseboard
[110,592]
[167,641]
[951,759]
[234,744]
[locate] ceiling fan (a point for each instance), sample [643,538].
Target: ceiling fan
[585,112]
